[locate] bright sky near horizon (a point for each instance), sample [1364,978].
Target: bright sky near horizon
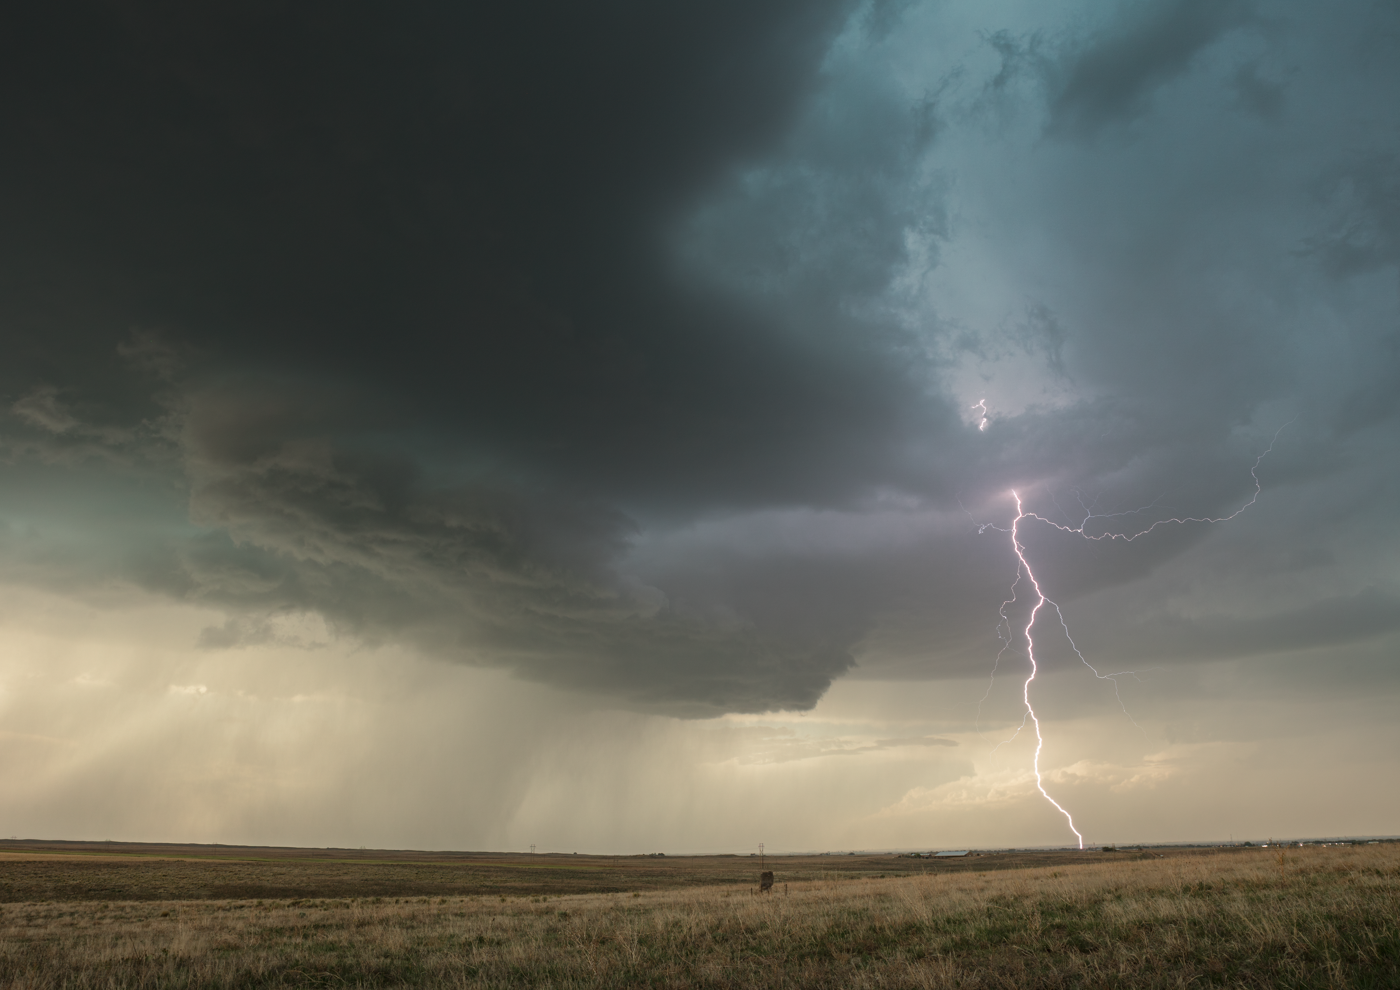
[469,426]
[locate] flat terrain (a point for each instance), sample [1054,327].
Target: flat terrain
[110,871]
[1314,917]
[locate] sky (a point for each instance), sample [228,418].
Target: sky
[595,426]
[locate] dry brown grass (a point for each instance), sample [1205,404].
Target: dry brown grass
[1311,918]
[100,871]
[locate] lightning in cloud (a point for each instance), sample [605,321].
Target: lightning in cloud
[1090,515]
[1023,569]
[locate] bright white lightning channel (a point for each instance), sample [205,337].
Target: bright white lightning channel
[1024,567]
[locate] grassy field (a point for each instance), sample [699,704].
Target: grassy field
[1315,917]
[101,871]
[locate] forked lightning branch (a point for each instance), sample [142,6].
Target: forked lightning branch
[1027,633]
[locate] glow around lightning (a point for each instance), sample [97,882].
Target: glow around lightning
[1042,600]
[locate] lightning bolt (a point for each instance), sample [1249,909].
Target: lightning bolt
[1082,528]
[1023,568]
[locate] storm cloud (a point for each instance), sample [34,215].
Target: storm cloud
[633,348]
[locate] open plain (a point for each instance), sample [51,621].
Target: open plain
[152,917]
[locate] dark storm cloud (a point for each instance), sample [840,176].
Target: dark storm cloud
[1112,79]
[1334,622]
[604,341]
[458,209]
[1257,94]
[488,569]
[1366,196]
[415,259]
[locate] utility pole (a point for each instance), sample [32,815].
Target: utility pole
[762,860]
[532,849]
